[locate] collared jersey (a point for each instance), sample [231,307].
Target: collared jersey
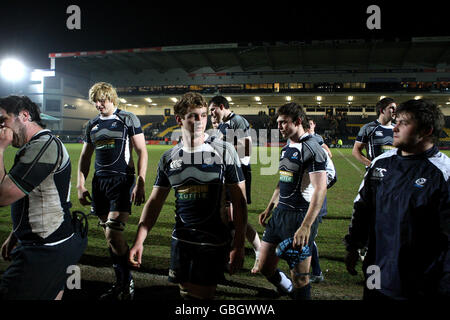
[42,171]
[111,138]
[403,211]
[198,177]
[234,128]
[297,161]
[378,138]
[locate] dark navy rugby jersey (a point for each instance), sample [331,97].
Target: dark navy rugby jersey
[403,211]
[297,161]
[111,138]
[198,178]
[378,138]
[42,171]
[234,128]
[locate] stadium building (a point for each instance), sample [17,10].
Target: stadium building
[337,81]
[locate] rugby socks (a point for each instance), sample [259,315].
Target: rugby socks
[303,293]
[281,281]
[121,269]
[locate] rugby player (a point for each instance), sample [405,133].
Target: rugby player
[402,211]
[199,169]
[113,135]
[233,126]
[298,198]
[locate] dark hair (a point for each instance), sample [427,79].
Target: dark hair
[294,111]
[427,115]
[15,104]
[218,100]
[383,103]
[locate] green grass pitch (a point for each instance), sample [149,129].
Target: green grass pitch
[338,283]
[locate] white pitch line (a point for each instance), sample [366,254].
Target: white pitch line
[354,166]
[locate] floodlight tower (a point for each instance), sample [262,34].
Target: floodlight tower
[12,70]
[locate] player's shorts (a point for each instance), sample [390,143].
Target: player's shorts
[247,171]
[284,223]
[39,272]
[198,264]
[111,193]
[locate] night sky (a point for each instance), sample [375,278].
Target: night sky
[32,31]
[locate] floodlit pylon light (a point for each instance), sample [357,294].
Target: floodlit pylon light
[123,100]
[448,102]
[257,98]
[174,99]
[417,97]
[319,98]
[319,103]
[349,102]
[229,99]
[288,98]
[12,69]
[149,100]
[350,98]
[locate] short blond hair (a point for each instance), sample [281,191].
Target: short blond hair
[189,99]
[103,91]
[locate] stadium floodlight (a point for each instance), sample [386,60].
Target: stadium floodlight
[319,98]
[350,98]
[288,98]
[228,98]
[123,100]
[174,99]
[417,97]
[149,100]
[12,69]
[257,98]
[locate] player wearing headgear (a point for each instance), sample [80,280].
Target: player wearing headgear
[113,135]
[298,198]
[199,169]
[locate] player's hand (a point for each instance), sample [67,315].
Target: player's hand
[263,216]
[301,237]
[138,194]
[237,256]
[351,260]
[84,196]
[6,137]
[135,255]
[8,246]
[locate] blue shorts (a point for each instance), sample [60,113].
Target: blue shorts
[39,272]
[111,193]
[283,225]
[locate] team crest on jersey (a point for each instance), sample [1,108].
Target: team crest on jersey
[379,133]
[420,182]
[295,155]
[176,164]
[114,124]
[95,128]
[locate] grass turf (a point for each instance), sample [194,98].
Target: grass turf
[338,283]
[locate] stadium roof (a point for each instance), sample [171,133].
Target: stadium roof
[430,52]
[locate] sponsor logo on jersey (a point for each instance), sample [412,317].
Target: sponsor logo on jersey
[286,176]
[105,144]
[176,164]
[95,128]
[195,192]
[379,172]
[295,155]
[379,133]
[114,124]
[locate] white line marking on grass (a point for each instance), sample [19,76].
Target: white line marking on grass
[354,166]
